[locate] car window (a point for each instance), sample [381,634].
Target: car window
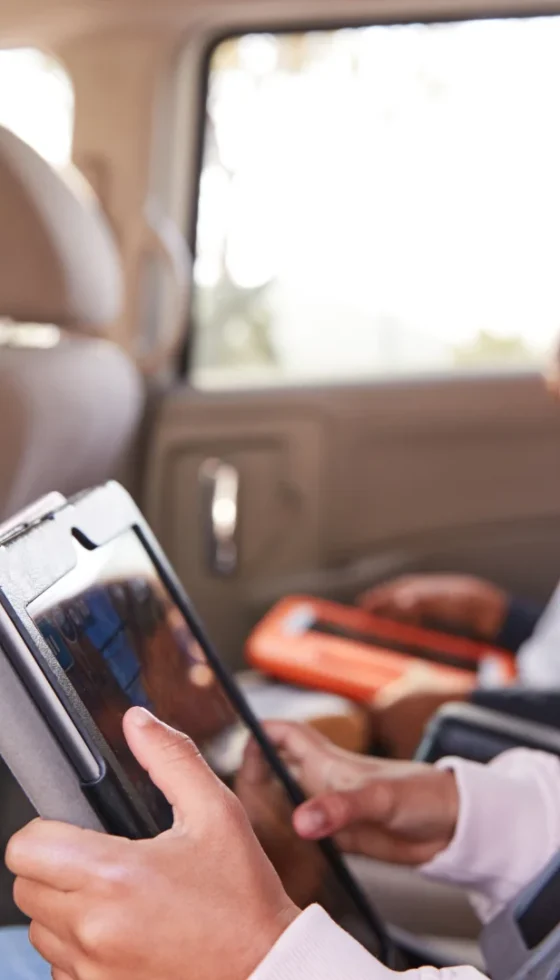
[377,202]
[37,102]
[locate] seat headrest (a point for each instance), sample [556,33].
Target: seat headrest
[58,260]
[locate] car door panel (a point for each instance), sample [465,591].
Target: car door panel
[343,487]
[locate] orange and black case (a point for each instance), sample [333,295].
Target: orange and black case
[348,651]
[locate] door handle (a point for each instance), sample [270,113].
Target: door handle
[221,502]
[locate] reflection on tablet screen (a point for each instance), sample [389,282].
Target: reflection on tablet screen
[122,641]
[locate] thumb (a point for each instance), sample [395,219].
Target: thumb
[171,760]
[329,813]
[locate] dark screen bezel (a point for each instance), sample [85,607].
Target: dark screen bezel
[540,917]
[248,717]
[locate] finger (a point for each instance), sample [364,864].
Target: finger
[57,974]
[44,905]
[310,756]
[362,838]
[316,763]
[172,761]
[374,600]
[333,812]
[295,741]
[388,847]
[365,839]
[255,770]
[52,949]
[401,599]
[56,854]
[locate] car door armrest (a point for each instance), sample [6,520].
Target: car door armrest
[480,734]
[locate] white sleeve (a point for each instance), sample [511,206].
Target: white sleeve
[538,659]
[508,827]
[314,948]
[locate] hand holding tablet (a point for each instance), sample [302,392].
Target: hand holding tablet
[93,622]
[106,906]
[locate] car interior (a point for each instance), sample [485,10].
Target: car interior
[289,273]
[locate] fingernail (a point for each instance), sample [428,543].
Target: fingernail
[140,717]
[311,821]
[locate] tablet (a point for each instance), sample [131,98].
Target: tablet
[523,941]
[92,621]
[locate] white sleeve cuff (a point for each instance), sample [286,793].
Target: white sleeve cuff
[508,826]
[313,947]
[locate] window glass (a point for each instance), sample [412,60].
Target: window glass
[37,102]
[379,201]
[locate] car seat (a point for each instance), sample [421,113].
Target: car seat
[70,399]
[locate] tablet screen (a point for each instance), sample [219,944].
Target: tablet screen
[122,641]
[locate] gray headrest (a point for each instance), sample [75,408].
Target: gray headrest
[58,259]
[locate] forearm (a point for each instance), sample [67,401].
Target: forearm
[508,827]
[314,948]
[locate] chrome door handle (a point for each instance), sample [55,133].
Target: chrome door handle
[221,494]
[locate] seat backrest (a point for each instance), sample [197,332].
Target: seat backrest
[66,417]
[67,411]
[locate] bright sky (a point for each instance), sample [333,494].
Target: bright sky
[36,103]
[404,175]
[409,173]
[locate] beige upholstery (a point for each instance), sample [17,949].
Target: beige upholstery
[66,415]
[439,915]
[58,262]
[67,412]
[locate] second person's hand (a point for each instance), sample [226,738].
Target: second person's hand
[461,602]
[401,812]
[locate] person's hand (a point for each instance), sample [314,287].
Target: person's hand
[200,902]
[300,864]
[400,812]
[460,602]
[401,710]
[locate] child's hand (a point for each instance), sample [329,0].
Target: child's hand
[400,812]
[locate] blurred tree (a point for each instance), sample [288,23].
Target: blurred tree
[489,348]
[234,323]
[236,326]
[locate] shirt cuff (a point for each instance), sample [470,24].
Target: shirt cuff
[513,799]
[313,947]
